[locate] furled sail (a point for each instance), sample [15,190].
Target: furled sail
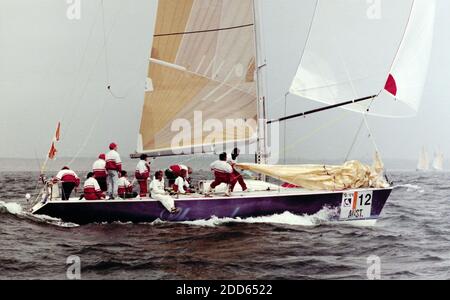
[351,175]
[202,73]
[358,49]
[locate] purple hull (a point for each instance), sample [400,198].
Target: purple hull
[242,206]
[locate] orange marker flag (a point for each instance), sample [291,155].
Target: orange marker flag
[53,151]
[58,132]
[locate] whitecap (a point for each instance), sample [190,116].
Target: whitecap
[324,216]
[17,210]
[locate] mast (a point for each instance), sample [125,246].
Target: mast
[261,152]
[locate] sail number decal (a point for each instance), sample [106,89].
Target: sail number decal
[356,206]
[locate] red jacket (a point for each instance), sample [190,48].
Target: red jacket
[92,190]
[125,186]
[142,170]
[113,161]
[67,176]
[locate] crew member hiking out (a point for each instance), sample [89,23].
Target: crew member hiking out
[158,193]
[100,173]
[222,173]
[113,167]
[142,175]
[69,181]
[92,189]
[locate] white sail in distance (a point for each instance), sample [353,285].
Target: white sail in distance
[438,162]
[355,50]
[424,161]
[203,75]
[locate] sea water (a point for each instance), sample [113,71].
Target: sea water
[410,241]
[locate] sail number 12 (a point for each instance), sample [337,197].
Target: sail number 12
[356,205]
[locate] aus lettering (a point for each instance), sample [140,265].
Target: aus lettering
[356,214]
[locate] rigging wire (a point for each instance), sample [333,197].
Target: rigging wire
[107,66]
[71,92]
[314,132]
[78,78]
[105,45]
[103,106]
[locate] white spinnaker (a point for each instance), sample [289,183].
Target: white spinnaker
[351,50]
[410,68]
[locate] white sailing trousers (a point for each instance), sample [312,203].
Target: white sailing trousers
[167,201]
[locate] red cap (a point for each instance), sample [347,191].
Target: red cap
[112,146]
[102,156]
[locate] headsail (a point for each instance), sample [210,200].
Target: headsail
[356,51]
[202,67]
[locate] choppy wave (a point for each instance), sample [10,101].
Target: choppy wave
[411,188]
[10,208]
[412,234]
[15,209]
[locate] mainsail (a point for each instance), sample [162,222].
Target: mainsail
[355,51]
[202,87]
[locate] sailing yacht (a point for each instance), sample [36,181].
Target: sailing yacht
[209,66]
[438,162]
[424,161]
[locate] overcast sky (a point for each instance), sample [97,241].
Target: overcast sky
[53,68]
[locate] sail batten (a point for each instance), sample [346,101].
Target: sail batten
[203,31]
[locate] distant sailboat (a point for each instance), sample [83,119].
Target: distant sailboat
[438,162]
[208,60]
[424,161]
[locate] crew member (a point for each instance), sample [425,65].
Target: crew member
[158,192]
[142,175]
[69,181]
[125,189]
[236,176]
[182,185]
[113,167]
[100,173]
[222,173]
[175,171]
[92,189]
